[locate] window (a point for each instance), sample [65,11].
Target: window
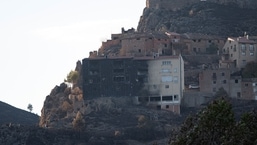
[214,82]
[154,86]
[244,62]
[139,50]
[251,54]
[246,85]
[175,70]
[167,86]
[238,94]
[214,89]
[251,48]
[175,79]
[138,38]
[222,74]
[166,62]
[167,106]
[231,55]
[243,49]
[224,81]
[167,98]
[165,70]
[165,45]
[234,48]
[214,77]
[236,81]
[166,78]
[176,98]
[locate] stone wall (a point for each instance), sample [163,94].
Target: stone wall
[178,4]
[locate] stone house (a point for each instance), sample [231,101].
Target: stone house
[132,43]
[249,89]
[156,81]
[201,44]
[211,80]
[237,52]
[145,44]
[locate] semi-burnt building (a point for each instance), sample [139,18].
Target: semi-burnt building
[158,81]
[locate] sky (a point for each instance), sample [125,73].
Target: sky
[41,41]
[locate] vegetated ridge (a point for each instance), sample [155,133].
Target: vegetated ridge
[10,114]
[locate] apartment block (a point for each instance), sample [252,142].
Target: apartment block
[157,81]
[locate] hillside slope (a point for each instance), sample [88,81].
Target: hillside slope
[203,17]
[10,114]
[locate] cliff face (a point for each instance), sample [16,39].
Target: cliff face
[206,17]
[178,4]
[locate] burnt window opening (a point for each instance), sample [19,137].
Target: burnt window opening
[118,63]
[155,99]
[119,79]
[118,71]
[143,99]
[94,63]
[93,72]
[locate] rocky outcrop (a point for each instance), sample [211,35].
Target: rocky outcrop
[61,106]
[201,17]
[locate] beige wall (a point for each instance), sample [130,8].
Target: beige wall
[166,78]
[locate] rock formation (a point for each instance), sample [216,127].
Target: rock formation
[206,17]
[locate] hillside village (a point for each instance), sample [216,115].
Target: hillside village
[168,69]
[140,86]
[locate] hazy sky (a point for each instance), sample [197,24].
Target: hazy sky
[41,41]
